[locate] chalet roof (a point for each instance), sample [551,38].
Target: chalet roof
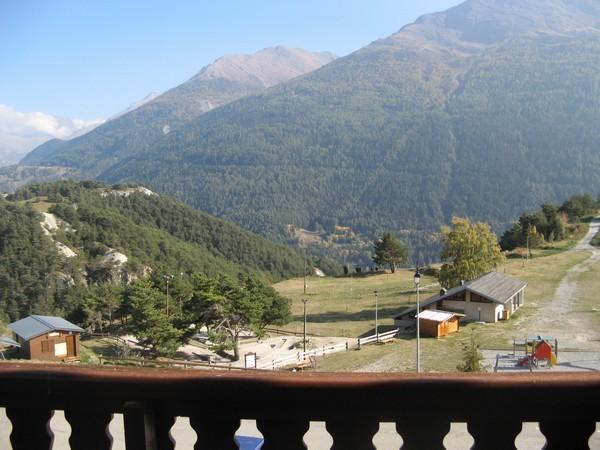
[8,341]
[494,286]
[34,326]
[437,316]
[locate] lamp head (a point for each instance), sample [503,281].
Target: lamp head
[417,277]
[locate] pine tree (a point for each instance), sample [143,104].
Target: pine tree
[149,322]
[472,357]
[229,308]
[390,251]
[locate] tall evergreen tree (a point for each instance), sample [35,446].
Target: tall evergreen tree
[390,251]
[234,308]
[149,322]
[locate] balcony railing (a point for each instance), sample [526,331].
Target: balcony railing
[567,406]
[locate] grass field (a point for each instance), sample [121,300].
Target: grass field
[40,204]
[346,307]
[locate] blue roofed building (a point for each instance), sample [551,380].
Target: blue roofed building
[47,338]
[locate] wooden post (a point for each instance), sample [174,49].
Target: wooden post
[140,427]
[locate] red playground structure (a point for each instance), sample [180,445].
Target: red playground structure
[543,353]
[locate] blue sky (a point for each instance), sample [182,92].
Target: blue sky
[89,59]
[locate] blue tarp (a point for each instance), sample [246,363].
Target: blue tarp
[249,443]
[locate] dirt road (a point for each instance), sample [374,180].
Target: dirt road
[559,317]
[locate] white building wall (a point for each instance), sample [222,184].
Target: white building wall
[484,312]
[489,311]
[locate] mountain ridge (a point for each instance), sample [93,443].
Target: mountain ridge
[434,121]
[223,81]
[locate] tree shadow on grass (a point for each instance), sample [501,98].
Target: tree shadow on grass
[341,316]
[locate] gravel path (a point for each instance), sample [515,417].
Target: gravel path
[556,318]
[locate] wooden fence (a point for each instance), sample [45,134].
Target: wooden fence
[302,359]
[179,363]
[299,359]
[380,337]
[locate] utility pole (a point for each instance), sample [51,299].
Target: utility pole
[305,271]
[168,278]
[304,301]
[376,318]
[180,304]
[417,280]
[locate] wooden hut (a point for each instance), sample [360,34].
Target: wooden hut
[47,338]
[436,324]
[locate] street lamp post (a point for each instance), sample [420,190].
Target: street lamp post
[376,318]
[417,280]
[304,302]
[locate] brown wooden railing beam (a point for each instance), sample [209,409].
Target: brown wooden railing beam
[140,426]
[352,405]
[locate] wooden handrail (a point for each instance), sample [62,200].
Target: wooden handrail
[422,405]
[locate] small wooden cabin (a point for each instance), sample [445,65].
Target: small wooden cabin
[47,338]
[438,323]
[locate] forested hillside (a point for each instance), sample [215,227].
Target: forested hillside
[225,80]
[94,235]
[485,110]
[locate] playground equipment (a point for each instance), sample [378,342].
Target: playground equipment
[539,351]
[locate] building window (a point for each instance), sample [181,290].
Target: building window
[45,346]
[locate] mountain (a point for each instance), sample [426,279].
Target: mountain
[135,105]
[15,176]
[82,234]
[225,80]
[20,131]
[486,109]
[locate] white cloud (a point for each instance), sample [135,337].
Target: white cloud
[21,132]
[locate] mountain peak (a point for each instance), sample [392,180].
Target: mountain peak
[480,23]
[266,67]
[227,79]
